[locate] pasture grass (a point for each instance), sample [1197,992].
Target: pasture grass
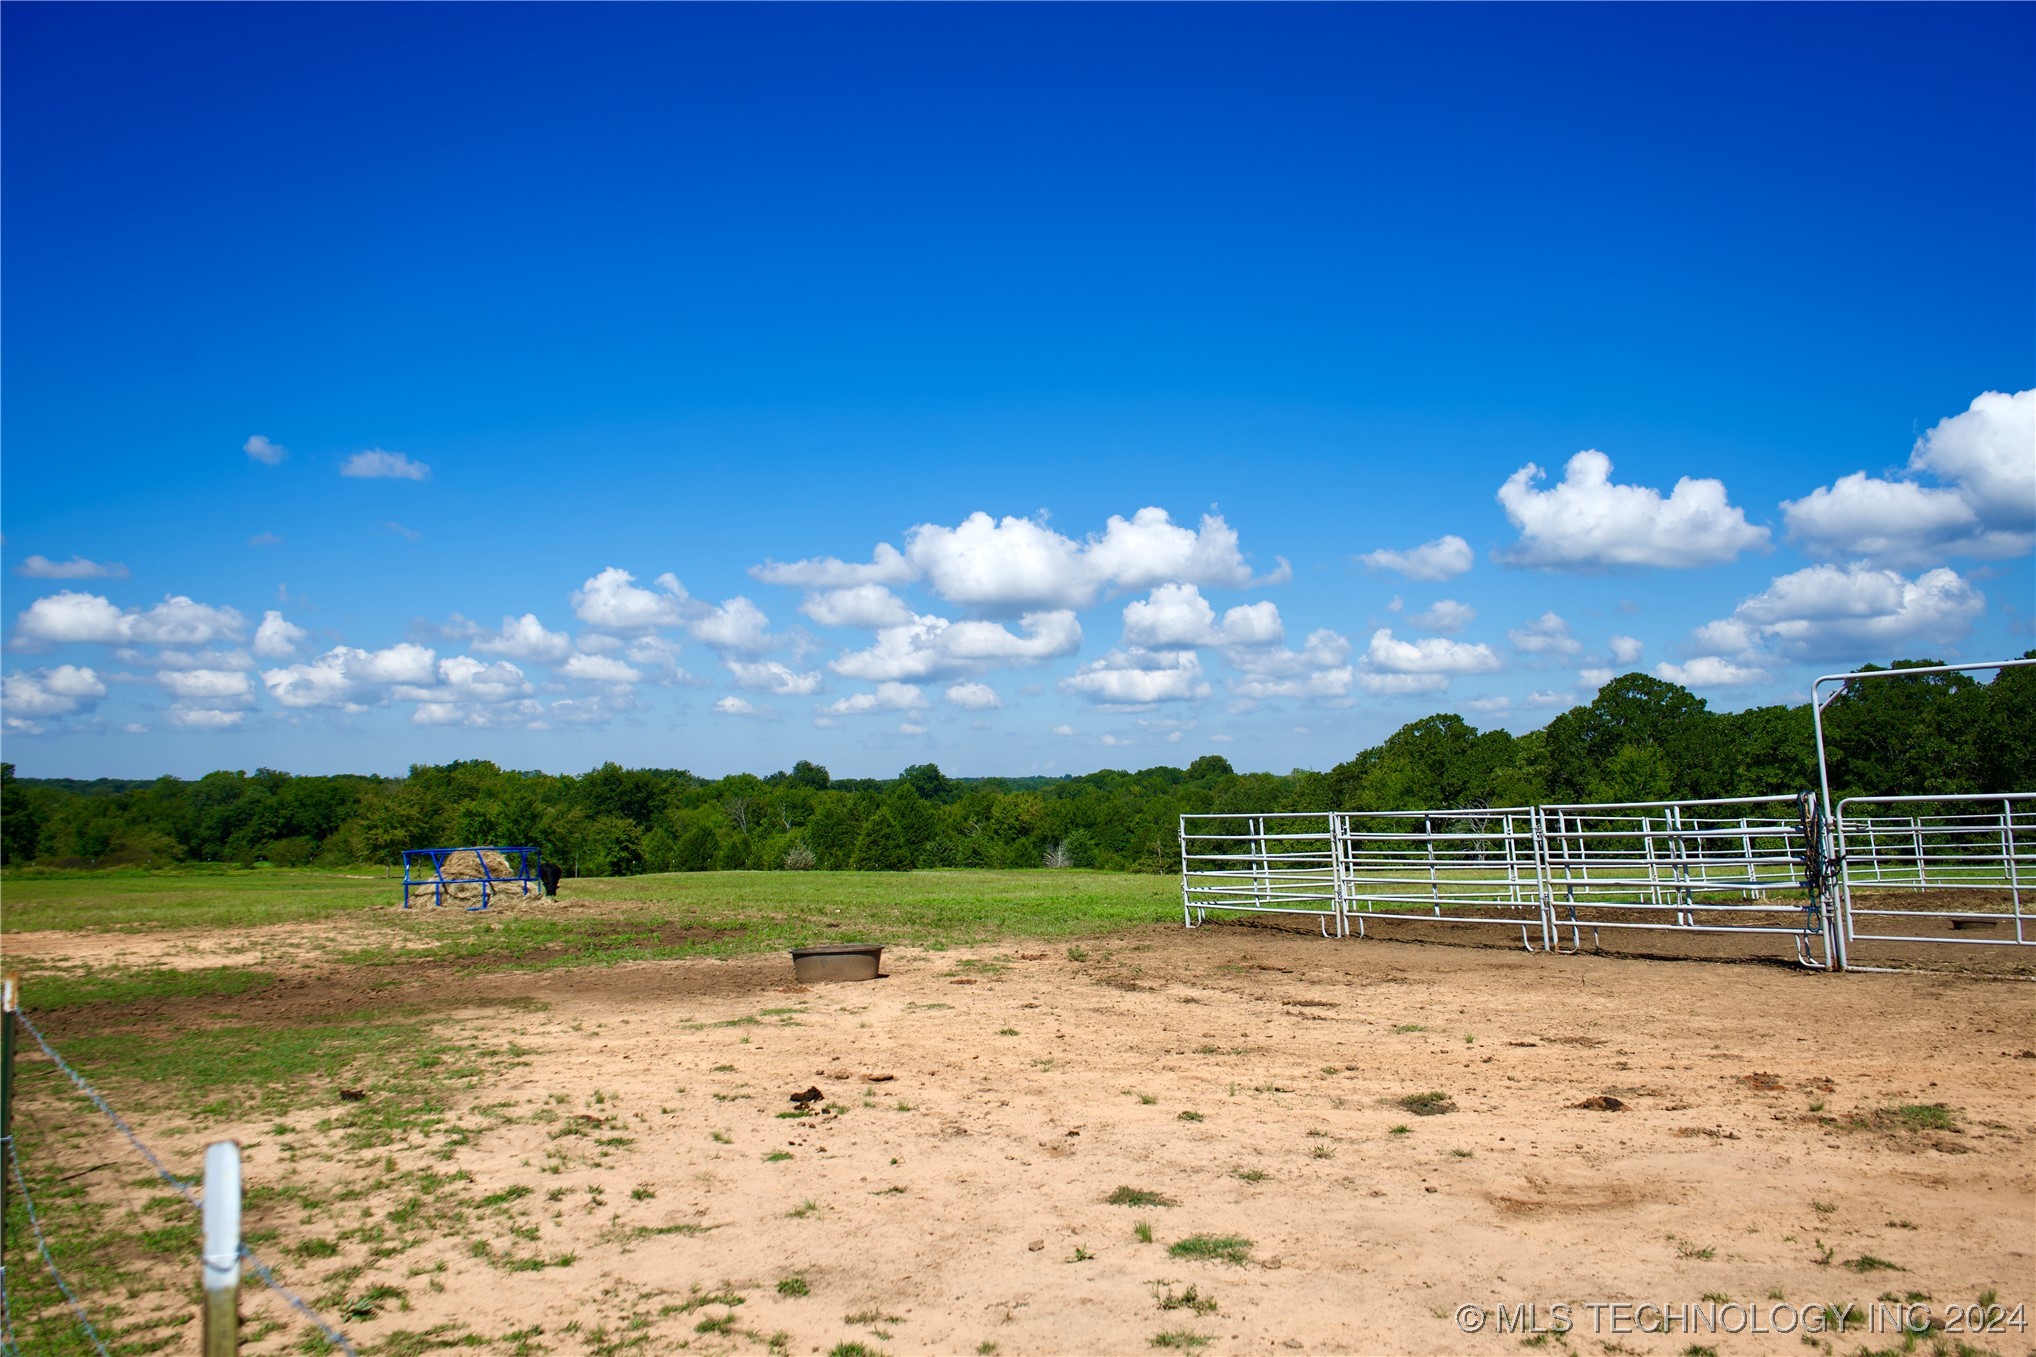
[71,987]
[600,921]
[189,897]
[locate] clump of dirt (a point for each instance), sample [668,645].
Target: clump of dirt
[1601,1102]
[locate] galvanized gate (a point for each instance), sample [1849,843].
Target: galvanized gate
[1737,865]
[1476,867]
[1750,866]
[1938,869]
[1278,863]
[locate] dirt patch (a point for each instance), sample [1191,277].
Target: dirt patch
[967,1197]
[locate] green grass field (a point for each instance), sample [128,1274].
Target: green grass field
[184,898]
[607,919]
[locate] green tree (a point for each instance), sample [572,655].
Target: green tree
[881,846]
[806,773]
[20,819]
[927,780]
[1635,709]
[2007,747]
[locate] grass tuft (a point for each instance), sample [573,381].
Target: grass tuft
[1136,1196]
[1227,1248]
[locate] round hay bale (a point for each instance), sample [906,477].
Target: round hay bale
[467,863]
[464,894]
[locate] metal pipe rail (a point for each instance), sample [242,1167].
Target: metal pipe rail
[1687,866]
[1969,842]
[1275,863]
[1458,867]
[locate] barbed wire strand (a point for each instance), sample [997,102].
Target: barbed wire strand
[28,1204]
[181,1186]
[261,1270]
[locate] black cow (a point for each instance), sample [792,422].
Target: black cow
[548,873]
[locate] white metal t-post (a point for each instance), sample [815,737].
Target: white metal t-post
[219,1264]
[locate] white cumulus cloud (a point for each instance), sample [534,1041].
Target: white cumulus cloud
[600,669]
[971,696]
[1547,634]
[520,714]
[1319,671]
[1710,671]
[77,568]
[1400,685]
[524,638]
[209,687]
[1442,559]
[50,692]
[933,647]
[1432,655]
[613,601]
[1019,564]
[465,686]
[376,464]
[1177,615]
[277,638]
[886,566]
[1135,679]
[1589,523]
[770,676]
[742,706]
[1626,649]
[1853,612]
[737,625]
[887,697]
[349,678]
[260,449]
[659,657]
[856,605]
[70,617]
[1984,504]
[1445,615]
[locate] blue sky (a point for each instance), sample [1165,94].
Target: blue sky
[355,354]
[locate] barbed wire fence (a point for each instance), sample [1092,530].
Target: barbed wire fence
[238,1258]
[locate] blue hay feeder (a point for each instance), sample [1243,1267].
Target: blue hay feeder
[426,867]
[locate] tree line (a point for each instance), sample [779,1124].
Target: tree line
[1639,739]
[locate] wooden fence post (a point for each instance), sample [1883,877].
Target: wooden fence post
[219,1265]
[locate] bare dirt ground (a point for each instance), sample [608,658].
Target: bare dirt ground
[986,1103]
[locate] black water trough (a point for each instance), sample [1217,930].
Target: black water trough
[836,961]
